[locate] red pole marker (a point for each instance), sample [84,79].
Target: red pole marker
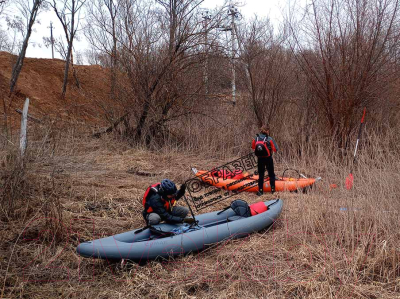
[350,178]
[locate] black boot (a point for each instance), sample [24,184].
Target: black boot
[272,189]
[260,192]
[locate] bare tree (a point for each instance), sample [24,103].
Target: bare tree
[59,46]
[68,16]
[167,69]
[79,58]
[102,32]
[4,41]
[159,49]
[345,49]
[265,66]
[15,28]
[2,5]
[29,10]
[96,58]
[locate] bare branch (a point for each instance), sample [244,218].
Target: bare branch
[68,15]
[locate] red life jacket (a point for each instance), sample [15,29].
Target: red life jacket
[258,208]
[154,188]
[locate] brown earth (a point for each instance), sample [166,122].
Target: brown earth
[41,81]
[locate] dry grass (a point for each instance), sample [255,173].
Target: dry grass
[75,188]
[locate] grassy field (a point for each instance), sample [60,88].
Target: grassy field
[327,243]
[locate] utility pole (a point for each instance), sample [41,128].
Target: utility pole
[52,40]
[206,17]
[233,13]
[240,50]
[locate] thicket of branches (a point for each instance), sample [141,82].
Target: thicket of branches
[159,50]
[171,68]
[312,77]
[348,52]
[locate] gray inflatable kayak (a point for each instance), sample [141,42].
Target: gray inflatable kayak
[149,244]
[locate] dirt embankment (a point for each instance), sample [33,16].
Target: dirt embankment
[41,81]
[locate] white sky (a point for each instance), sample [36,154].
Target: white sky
[248,8]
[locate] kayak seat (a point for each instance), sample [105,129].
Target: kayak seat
[241,209]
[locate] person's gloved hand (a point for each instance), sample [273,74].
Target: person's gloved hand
[182,189]
[188,220]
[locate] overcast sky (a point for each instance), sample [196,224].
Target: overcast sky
[263,8]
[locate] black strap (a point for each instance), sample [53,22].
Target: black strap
[142,229]
[160,232]
[273,203]
[224,209]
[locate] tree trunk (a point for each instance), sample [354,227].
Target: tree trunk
[20,60]
[142,120]
[69,52]
[114,61]
[113,69]
[5,118]
[65,82]
[77,83]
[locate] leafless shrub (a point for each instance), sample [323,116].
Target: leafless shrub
[24,192]
[345,49]
[160,50]
[266,70]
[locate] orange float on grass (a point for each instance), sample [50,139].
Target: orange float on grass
[249,183]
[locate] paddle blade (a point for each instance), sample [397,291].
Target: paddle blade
[349,181]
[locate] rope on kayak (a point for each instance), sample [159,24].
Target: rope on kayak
[292,169]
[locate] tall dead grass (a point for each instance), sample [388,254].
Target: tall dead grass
[328,243]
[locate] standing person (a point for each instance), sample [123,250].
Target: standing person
[159,204]
[263,146]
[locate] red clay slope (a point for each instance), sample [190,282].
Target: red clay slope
[41,81]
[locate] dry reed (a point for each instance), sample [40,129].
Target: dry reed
[328,243]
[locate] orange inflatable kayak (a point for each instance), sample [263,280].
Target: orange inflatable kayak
[249,183]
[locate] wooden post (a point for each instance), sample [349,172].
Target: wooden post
[24,124]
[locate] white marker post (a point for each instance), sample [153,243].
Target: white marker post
[24,124]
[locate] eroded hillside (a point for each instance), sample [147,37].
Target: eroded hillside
[41,81]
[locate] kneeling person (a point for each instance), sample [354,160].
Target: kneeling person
[159,204]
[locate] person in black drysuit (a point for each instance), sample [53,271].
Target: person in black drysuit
[159,204]
[265,161]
